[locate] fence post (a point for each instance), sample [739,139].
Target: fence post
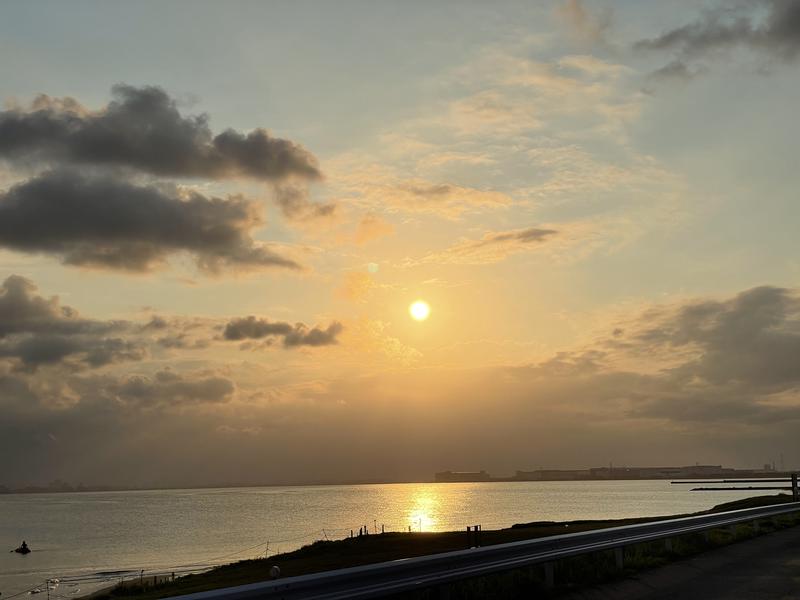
[619,557]
[549,576]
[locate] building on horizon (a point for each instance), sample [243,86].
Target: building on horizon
[611,472]
[461,476]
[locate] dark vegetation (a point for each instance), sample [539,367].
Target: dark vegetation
[582,570]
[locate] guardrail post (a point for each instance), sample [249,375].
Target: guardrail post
[795,490]
[619,557]
[668,544]
[549,575]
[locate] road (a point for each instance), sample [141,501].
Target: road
[764,568]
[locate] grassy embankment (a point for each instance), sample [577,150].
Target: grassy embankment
[326,555]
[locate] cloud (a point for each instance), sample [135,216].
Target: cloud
[767,27]
[142,129]
[371,227]
[694,379]
[295,204]
[445,198]
[493,112]
[22,311]
[751,340]
[88,351]
[168,388]
[111,224]
[586,28]
[299,334]
[303,336]
[357,286]
[179,333]
[731,363]
[36,331]
[676,70]
[493,247]
[376,187]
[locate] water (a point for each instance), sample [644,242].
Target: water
[86,533]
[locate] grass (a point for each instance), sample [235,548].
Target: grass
[327,555]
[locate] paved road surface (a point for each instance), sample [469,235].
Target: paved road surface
[764,568]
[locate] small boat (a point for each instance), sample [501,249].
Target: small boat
[23,549]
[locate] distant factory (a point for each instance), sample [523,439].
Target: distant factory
[611,472]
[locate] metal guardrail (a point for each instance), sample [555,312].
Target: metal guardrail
[382,579]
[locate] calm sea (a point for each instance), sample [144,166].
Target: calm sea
[89,533]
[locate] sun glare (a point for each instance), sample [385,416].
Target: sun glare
[419,310]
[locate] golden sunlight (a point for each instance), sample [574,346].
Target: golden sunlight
[419,310]
[424,509]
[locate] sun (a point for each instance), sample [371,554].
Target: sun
[419,310]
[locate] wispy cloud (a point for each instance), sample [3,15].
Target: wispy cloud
[493,247]
[378,187]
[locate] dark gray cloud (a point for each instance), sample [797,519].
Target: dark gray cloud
[710,366]
[299,334]
[23,311]
[722,361]
[677,70]
[179,333]
[751,340]
[303,336]
[112,224]
[770,27]
[253,328]
[169,388]
[295,204]
[77,351]
[36,331]
[142,129]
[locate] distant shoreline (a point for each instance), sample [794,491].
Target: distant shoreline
[233,486]
[30,490]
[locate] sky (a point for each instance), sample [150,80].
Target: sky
[215,216]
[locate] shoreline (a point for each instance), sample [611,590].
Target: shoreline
[374,548]
[619,475]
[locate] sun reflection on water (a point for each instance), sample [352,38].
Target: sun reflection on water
[424,510]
